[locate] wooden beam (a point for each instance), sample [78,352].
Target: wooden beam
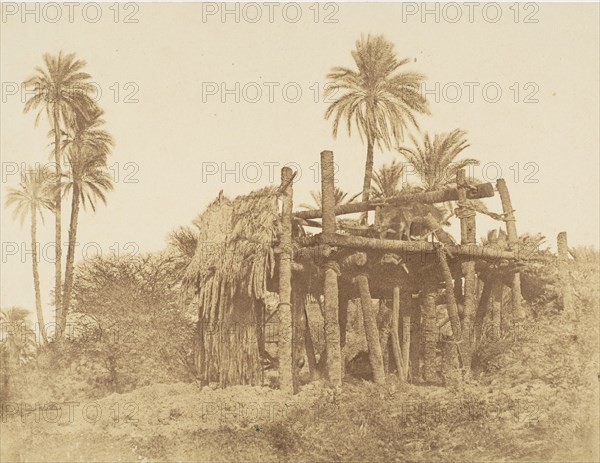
[484,190]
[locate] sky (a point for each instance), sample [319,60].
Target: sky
[201,99]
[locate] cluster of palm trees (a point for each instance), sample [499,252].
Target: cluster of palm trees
[81,147]
[382,102]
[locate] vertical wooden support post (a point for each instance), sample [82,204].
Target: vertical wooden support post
[482,310]
[416,344]
[298,332]
[371,331]
[451,306]
[310,349]
[406,305]
[343,319]
[563,272]
[513,240]
[430,331]
[468,237]
[384,321]
[395,333]
[330,292]
[285,285]
[497,288]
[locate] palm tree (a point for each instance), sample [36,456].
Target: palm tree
[61,91]
[17,346]
[31,197]
[387,180]
[434,161]
[377,99]
[340,196]
[87,149]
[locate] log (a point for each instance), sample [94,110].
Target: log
[330,291]
[513,241]
[284,347]
[396,349]
[371,331]
[563,272]
[484,190]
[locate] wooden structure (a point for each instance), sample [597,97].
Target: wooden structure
[413,275]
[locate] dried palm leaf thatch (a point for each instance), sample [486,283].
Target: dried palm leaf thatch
[228,274]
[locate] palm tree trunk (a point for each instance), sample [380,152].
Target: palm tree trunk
[366,192]
[71,249]
[36,276]
[58,230]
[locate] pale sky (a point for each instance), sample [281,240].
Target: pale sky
[172,63]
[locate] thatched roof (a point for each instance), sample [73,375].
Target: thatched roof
[234,256]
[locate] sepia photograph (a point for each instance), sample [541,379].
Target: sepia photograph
[300,232]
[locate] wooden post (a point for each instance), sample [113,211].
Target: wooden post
[310,349]
[430,330]
[384,321]
[513,240]
[371,331]
[451,306]
[343,319]
[330,291]
[406,307]
[482,309]
[286,370]
[416,344]
[395,333]
[467,237]
[298,333]
[497,288]
[563,272]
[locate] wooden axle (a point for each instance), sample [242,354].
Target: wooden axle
[398,246]
[484,190]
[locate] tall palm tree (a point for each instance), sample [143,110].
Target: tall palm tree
[61,91]
[377,98]
[434,160]
[86,149]
[30,198]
